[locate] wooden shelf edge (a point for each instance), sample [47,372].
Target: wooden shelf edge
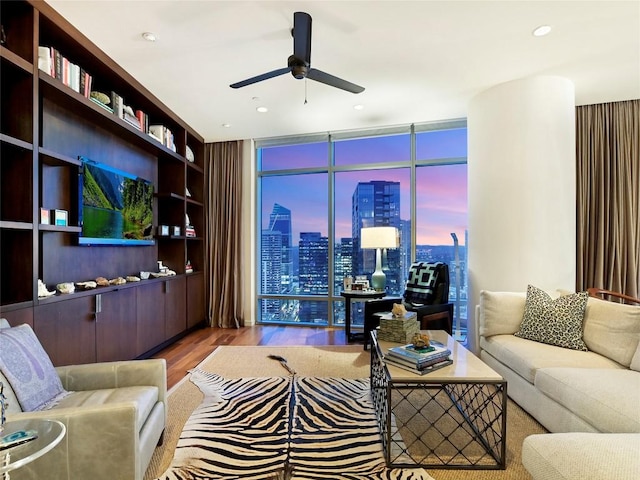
[11,225]
[59,228]
[9,307]
[15,141]
[191,201]
[195,167]
[52,158]
[16,59]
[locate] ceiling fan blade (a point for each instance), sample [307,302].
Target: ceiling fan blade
[259,78]
[302,36]
[322,77]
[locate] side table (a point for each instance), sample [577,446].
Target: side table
[50,433]
[358,296]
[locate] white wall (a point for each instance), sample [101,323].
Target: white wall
[522,188]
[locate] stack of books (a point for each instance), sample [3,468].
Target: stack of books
[419,361]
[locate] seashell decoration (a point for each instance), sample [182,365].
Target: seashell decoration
[66,287]
[42,290]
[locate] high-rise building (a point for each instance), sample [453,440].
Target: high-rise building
[271,268]
[313,275]
[280,221]
[376,204]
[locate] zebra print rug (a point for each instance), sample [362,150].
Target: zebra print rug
[281,428]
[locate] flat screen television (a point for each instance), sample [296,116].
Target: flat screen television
[116,207]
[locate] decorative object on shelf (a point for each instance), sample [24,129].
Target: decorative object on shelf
[117,281]
[144,275]
[188,268]
[398,310]
[45,218]
[176,231]
[163,230]
[66,287]
[379,238]
[190,157]
[100,97]
[42,290]
[103,282]
[60,217]
[3,36]
[90,285]
[166,273]
[161,267]
[132,278]
[187,192]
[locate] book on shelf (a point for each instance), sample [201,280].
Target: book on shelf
[117,104]
[420,356]
[61,68]
[444,362]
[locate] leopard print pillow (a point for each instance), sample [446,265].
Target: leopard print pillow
[556,322]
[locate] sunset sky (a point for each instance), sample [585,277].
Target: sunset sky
[441,198]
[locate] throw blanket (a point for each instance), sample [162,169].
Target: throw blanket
[302,428]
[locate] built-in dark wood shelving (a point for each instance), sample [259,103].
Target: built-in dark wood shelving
[45,127]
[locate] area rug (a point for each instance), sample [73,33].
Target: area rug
[330,361]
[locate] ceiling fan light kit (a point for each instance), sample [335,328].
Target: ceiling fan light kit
[299,64]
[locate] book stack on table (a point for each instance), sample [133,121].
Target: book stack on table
[419,360]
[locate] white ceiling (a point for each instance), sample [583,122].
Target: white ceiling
[419,61]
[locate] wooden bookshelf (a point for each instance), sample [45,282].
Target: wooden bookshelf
[45,126]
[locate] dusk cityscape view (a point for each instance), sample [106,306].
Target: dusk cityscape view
[302,272]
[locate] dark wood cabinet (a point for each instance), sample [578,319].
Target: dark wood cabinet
[175,312]
[45,127]
[116,325]
[196,306]
[67,330]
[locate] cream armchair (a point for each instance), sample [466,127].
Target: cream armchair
[114,413]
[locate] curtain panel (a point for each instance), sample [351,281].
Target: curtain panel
[224,272]
[608,197]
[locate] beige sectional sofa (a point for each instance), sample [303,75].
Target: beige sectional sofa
[114,413]
[594,392]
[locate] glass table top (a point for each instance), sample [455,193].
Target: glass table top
[50,433]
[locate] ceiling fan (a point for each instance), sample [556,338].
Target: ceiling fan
[299,64]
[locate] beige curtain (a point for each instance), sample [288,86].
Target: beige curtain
[223,245]
[608,197]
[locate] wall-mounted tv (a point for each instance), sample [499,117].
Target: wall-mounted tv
[116,208]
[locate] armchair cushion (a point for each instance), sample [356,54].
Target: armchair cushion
[28,369]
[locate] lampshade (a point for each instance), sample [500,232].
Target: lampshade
[379,237]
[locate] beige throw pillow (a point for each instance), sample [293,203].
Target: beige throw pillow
[500,312]
[612,329]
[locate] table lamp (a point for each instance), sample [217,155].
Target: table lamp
[379,238]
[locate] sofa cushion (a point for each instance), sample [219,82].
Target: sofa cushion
[635,361]
[605,398]
[144,399]
[582,456]
[28,369]
[500,312]
[525,357]
[612,329]
[556,322]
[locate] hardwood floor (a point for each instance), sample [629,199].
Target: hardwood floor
[187,352]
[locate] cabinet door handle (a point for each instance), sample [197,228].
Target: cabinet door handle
[98,304]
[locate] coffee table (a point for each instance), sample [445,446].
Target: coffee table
[454,417]
[50,433]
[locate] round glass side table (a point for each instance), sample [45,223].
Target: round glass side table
[50,433]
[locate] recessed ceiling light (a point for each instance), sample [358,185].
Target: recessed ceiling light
[226,125]
[541,31]
[358,107]
[149,37]
[262,109]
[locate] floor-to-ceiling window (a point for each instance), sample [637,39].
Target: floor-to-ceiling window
[316,193]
